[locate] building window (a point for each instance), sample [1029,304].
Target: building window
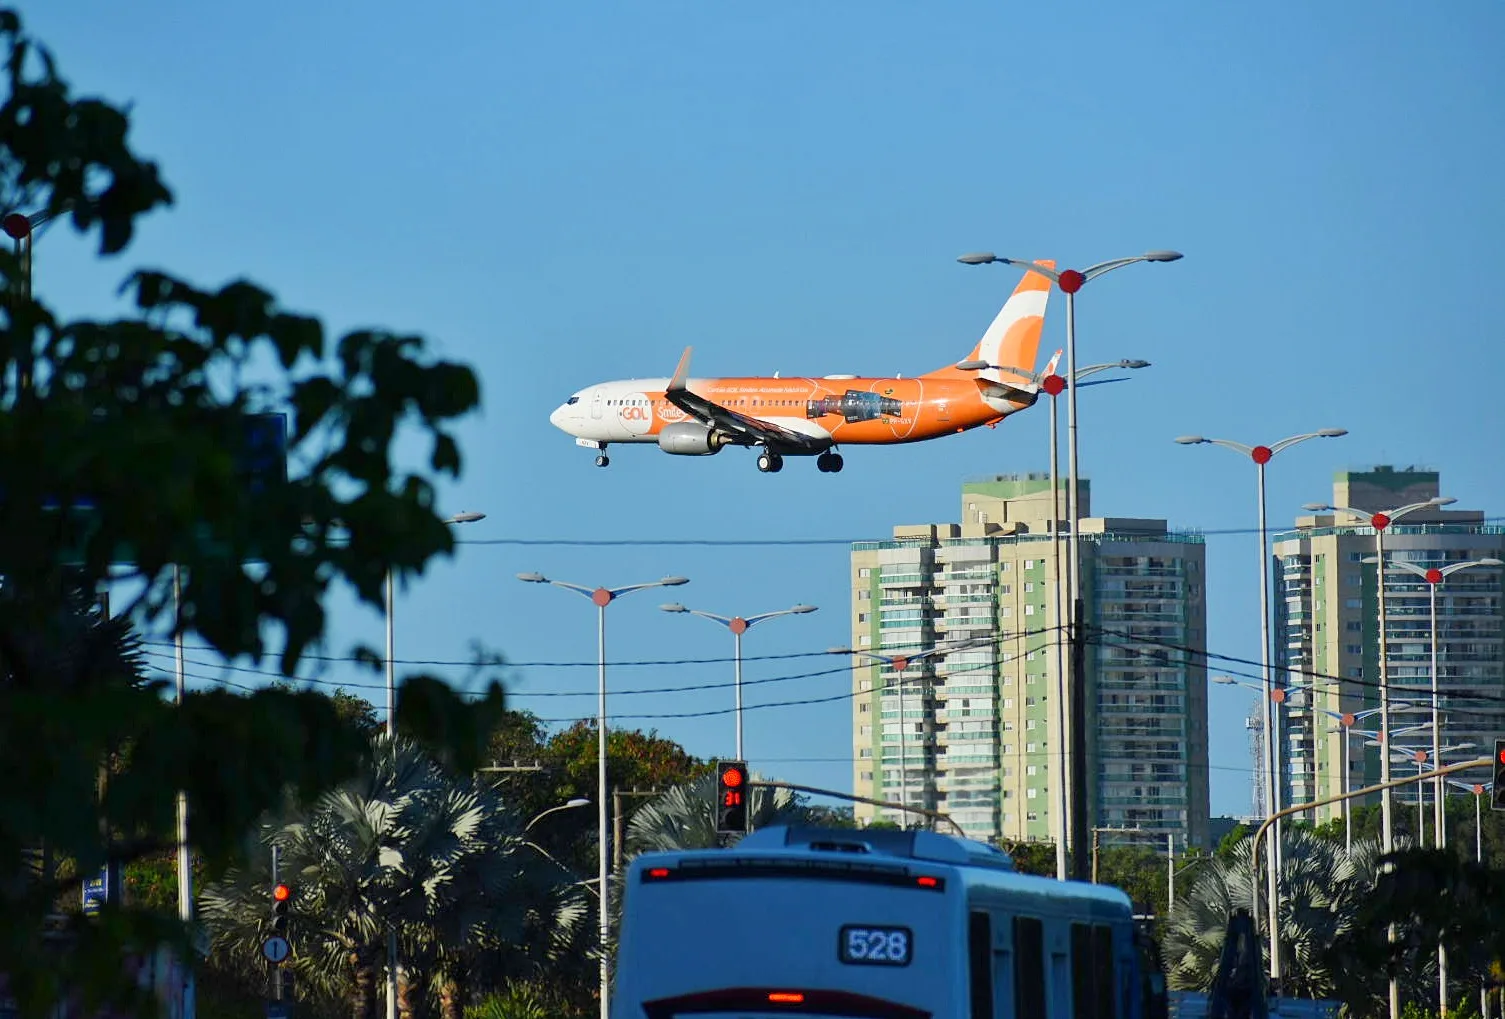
[1354,626]
[862,617]
[1029,586]
[1029,564]
[864,595]
[866,571]
[867,776]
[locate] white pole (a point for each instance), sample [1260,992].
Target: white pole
[1386,825]
[391,600]
[1347,814]
[1438,838]
[185,857]
[903,763]
[1271,783]
[737,638]
[1170,872]
[604,931]
[1062,810]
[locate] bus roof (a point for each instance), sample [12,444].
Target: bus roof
[978,865]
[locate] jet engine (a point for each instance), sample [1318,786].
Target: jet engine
[690,438]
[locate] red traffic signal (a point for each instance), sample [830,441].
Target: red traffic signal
[731,797]
[282,893]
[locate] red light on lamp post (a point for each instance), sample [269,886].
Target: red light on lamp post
[1261,454]
[1434,576]
[1071,281]
[1054,385]
[282,893]
[1379,521]
[17,226]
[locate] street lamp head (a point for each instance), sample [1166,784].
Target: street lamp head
[466,517]
[838,650]
[1316,507]
[578,801]
[1489,562]
[1133,364]
[674,581]
[1225,680]
[978,258]
[971,366]
[802,609]
[674,606]
[1162,256]
[1190,440]
[1441,500]
[1331,433]
[533,578]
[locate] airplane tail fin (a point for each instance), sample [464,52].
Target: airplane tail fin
[1013,339]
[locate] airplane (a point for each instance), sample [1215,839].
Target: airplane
[813,416]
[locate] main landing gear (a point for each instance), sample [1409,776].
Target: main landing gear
[829,463]
[770,462]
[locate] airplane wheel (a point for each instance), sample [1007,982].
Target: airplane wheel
[602,460]
[770,463]
[835,464]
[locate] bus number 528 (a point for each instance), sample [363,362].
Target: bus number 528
[875,946]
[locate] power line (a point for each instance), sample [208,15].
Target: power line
[799,542]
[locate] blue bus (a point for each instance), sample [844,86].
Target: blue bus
[871,924]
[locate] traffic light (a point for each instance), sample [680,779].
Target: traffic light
[731,797]
[1497,795]
[282,900]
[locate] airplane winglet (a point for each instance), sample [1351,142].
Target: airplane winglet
[681,373]
[1050,368]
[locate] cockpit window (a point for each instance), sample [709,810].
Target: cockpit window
[573,399]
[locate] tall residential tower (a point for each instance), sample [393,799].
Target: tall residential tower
[979,732]
[1327,635]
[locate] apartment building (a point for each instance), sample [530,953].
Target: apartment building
[977,734]
[1327,633]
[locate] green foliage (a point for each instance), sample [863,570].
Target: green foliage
[525,1000]
[1228,847]
[1037,858]
[118,444]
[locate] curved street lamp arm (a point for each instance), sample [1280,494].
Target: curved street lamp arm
[579,589]
[750,620]
[1293,440]
[1452,568]
[1051,274]
[1095,271]
[1238,447]
[723,620]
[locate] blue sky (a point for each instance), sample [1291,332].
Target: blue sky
[560,194]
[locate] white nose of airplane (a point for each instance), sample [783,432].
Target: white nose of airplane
[561,418]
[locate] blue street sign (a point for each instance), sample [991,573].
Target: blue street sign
[96,891]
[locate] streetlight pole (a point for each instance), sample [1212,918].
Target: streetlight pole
[1478,789]
[602,597]
[1070,281]
[1054,385]
[738,625]
[899,663]
[390,596]
[1262,455]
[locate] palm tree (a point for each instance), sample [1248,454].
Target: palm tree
[1322,890]
[405,845]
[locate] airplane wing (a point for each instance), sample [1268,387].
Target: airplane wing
[744,430]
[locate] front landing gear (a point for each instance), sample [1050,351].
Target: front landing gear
[829,463]
[770,462]
[602,460]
